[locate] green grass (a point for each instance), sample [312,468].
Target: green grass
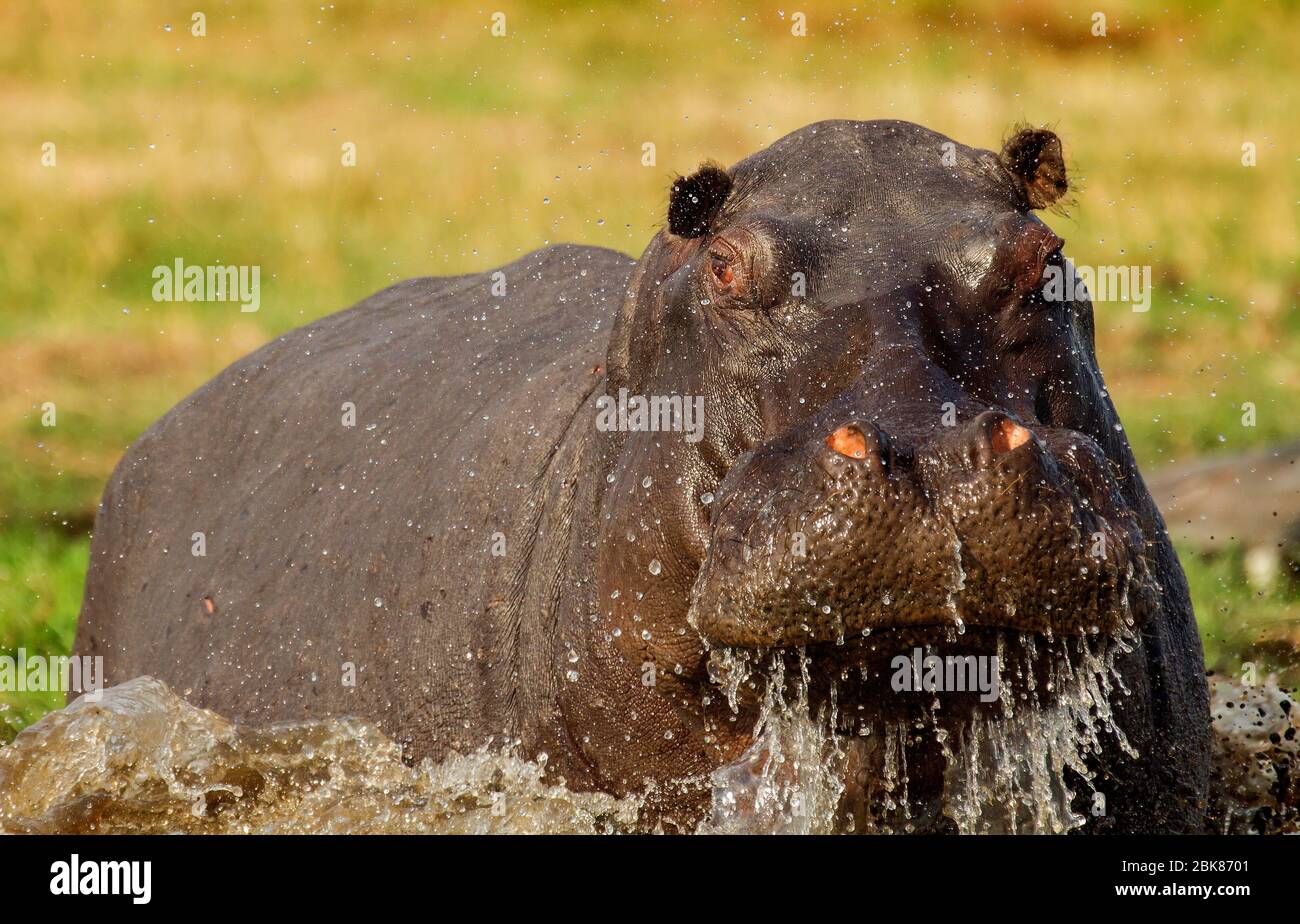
[1239,624]
[41,572]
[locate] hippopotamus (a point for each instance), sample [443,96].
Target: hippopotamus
[579,505]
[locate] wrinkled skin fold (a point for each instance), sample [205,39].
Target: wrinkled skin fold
[905,442]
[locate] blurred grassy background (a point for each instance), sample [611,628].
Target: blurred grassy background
[473,149]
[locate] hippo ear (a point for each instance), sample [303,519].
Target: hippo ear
[1033,156]
[696,199]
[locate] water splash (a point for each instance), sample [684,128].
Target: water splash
[143,760]
[1255,780]
[1004,770]
[791,778]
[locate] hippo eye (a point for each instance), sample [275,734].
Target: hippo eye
[721,269]
[728,273]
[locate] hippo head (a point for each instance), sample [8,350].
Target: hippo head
[902,430]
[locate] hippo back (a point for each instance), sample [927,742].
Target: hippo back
[366,516]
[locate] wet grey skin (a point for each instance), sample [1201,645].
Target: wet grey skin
[901,435]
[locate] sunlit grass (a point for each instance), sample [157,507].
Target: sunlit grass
[41,573]
[1239,624]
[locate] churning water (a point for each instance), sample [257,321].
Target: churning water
[1004,772]
[141,759]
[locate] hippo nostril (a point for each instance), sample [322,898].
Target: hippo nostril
[849,441]
[1007,435]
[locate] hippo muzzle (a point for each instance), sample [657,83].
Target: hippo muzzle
[847,526]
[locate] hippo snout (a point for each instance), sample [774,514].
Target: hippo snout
[845,527]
